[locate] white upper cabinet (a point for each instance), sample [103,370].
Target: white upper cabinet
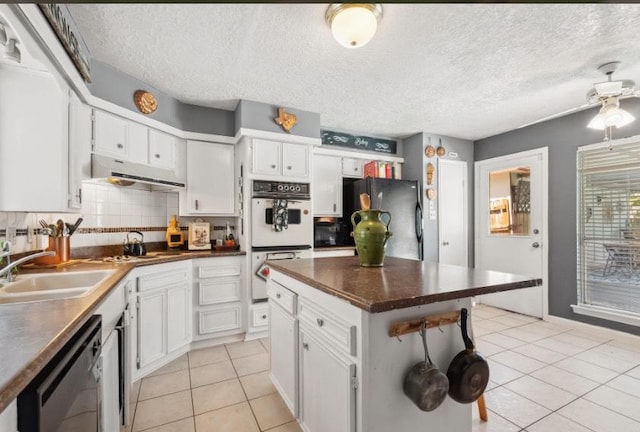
[137,143]
[210,180]
[327,186]
[33,141]
[267,157]
[273,158]
[79,148]
[352,167]
[110,135]
[295,160]
[162,149]
[124,139]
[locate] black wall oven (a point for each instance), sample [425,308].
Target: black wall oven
[65,395]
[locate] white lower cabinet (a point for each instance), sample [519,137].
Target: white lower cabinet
[163,315]
[179,315]
[283,334]
[151,338]
[110,384]
[313,359]
[217,300]
[327,385]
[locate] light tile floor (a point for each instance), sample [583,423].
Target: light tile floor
[545,377]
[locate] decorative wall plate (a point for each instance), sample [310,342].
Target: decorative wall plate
[440,151]
[429,151]
[145,101]
[430,169]
[431,194]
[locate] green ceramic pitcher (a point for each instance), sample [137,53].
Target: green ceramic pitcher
[371,235]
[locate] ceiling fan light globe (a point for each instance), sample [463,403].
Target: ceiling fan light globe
[597,122]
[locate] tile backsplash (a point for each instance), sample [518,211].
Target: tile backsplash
[109,213]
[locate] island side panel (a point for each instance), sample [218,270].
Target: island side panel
[386,360]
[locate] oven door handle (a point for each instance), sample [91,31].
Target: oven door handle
[280,256]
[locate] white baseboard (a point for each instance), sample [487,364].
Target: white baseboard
[597,330]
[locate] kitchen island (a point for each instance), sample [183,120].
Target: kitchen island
[332,357]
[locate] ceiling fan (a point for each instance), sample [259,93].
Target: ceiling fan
[608,94]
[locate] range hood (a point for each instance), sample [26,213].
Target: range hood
[114,170]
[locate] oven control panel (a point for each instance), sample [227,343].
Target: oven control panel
[273,189]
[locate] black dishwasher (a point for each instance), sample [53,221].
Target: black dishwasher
[65,395]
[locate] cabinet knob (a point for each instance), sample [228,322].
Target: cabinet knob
[289,167]
[157,155]
[119,145]
[277,295]
[445,243]
[196,204]
[273,166]
[305,346]
[320,322]
[264,317]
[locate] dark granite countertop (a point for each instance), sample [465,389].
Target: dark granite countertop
[32,333]
[400,283]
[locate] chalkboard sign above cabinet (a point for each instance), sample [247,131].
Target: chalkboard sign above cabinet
[359,142]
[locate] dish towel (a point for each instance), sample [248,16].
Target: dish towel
[280,215]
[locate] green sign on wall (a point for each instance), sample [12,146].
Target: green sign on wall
[358,142]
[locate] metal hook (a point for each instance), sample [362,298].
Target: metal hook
[439,327]
[398,337]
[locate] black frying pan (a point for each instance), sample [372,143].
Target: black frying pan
[468,372]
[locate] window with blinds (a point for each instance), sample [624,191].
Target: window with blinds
[609,227]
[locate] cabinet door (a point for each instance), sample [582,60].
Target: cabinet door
[326,386]
[80,134]
[267,157]
[109,135]
[110,384]
[352,167]
[210,179]
[178,317]
[151,327]
[295,160]
[327,186]
[33,141]
[161,149]
[137,143]
[283,336]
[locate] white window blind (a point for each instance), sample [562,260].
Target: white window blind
[609,227]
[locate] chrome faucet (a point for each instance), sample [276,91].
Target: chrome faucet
[11,265]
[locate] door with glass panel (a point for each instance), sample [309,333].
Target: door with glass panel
[510,226]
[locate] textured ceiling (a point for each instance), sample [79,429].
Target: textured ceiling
[466,70]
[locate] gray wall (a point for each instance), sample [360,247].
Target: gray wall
[117,87]
[415,169]
[563,136]
[260,116]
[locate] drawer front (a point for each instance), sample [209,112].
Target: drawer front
[339,332]
[282,296]
[260,317]
[220,267]
[218,320]
[219,290]
[162,279]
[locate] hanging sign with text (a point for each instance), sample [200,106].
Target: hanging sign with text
[359,142]
[65,28]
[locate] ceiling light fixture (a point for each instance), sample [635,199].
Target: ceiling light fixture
[609,93]
[611,115]
[353,24]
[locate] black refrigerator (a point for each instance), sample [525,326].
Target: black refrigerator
[401,198]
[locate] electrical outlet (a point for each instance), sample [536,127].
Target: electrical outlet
[432,214]
[11,234]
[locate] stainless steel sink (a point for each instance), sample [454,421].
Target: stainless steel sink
[28,288]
